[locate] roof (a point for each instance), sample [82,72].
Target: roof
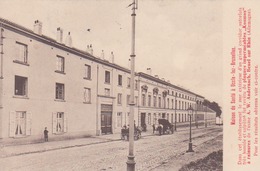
[147,76]
[23,30]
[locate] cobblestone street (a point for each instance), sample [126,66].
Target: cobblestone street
[167,152]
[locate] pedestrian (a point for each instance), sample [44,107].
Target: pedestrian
[45,132]
[153,128]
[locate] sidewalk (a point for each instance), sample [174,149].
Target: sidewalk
[7,150]
[15,150]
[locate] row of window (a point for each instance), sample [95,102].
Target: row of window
[162,103]
[181,95]
[21,84]
[20,123]
[152,119]
[119,99]
[22,56]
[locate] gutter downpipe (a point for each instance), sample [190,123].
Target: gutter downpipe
[1,77]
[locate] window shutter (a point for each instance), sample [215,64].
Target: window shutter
[54,122]
[65,122]
[12,124]
[28,123]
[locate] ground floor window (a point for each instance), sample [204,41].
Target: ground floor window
[154,118]
[20,123]
[59,122]
[149,118]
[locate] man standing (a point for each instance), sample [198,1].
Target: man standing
[45,132]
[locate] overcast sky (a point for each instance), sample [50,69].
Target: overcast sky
[181,40]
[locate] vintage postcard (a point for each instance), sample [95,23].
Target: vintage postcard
[147,85]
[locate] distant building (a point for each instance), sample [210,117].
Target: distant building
[47,83]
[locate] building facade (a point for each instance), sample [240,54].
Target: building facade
[47,83]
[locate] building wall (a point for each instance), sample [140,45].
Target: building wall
[79,117]
[41,78]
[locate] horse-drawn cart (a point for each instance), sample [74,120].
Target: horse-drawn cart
[164,127]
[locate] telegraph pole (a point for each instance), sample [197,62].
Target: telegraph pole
[131,158]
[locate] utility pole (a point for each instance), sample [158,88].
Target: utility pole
[175,125]
[131,158]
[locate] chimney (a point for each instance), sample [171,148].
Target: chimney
[37,27]
[90,49]
[112,57]
[163,79]
[102,55]
[156,76]
[168,81]
[68,41]
[149,71]
[59,38]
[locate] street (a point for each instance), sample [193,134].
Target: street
[166,152]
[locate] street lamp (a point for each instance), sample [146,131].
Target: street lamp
[196,113]
[190,112]
[175,125]
[131,158]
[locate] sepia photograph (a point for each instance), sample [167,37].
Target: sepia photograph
[114,85]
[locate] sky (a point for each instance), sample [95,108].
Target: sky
[180,40]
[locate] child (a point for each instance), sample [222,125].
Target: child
[45,134]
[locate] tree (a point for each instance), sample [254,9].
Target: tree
[214,106]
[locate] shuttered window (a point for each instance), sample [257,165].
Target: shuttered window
[20,123]
[59,122]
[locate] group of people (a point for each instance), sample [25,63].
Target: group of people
[159,128]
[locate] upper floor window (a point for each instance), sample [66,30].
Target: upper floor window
[60,64]
[136,84]
[87,72]
[143,100]
[119,98]
[128,82]
[154,101]
[20,86]
[159,99]
[107,92]
[87,95]
[168,103]
[120,80]
[149,100]
[136,100]
[22,52]
[164,102]
[127,99]
[59,94]
[107,77]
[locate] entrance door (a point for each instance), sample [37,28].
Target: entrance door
[106,122]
